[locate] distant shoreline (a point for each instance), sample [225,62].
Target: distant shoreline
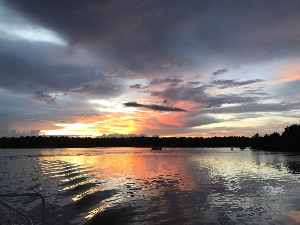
[288,142]
[71,142]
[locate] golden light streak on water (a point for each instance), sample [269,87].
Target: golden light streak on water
[90,191]
[74,178]
[64,174]
[65,169]
[95,211]
[93,190]
[78,184]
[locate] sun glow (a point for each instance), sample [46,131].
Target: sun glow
[120,123]
[76,126]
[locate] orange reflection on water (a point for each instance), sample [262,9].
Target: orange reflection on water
[112,166]
[143,173]
[147,167]
[295,215]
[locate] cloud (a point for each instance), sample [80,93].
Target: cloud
[156,93]
[201,95]
[200,121]
[41,96]
[17,70]
[256,92]
[7,121]
[150,35]
[161,42]
[166,80]
[13,28]
[221,71]
[194,82]
[233,83]
[136,86]
[50,101]
[15,133]
[155,107]
[219,100]
[184,92]
[123,135]
[253,108]
[176,65]
[289,90]
[98,87]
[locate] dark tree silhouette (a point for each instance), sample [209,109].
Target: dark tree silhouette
[71,142]
[288,141]
[291,137]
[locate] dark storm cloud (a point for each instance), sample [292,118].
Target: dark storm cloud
[146,35]
[41,96]
[221,71]
[155,107]
[222,84]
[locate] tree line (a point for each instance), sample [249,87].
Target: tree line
[289,140]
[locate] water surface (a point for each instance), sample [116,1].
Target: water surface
[140,186]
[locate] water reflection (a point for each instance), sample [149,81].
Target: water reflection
[174,186]
[113,180]
[293,167]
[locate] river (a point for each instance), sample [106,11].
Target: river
[140,186]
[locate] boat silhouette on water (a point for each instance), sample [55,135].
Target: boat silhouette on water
[156,148]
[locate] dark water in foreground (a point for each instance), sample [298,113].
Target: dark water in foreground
[139,186]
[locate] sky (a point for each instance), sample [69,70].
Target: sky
[169,68]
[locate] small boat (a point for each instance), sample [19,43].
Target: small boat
[156,148]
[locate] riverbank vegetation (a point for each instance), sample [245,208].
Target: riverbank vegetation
[289,140]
